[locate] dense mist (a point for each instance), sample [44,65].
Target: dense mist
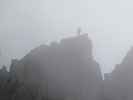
[25,24]
[66,50]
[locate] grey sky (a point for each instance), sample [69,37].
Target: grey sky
[25,24]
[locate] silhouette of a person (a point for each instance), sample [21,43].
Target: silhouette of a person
[79,31]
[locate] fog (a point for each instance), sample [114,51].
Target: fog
[25,24]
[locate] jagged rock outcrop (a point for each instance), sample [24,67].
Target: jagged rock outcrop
[62,71]
[119,86]
[11,88]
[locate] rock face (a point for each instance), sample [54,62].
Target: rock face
[119,86]
[62,71]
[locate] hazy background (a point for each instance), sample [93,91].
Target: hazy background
[25,24]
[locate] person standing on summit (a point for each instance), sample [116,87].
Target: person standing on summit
[79,31]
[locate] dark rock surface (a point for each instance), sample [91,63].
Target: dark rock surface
[119,86]
[61,71]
